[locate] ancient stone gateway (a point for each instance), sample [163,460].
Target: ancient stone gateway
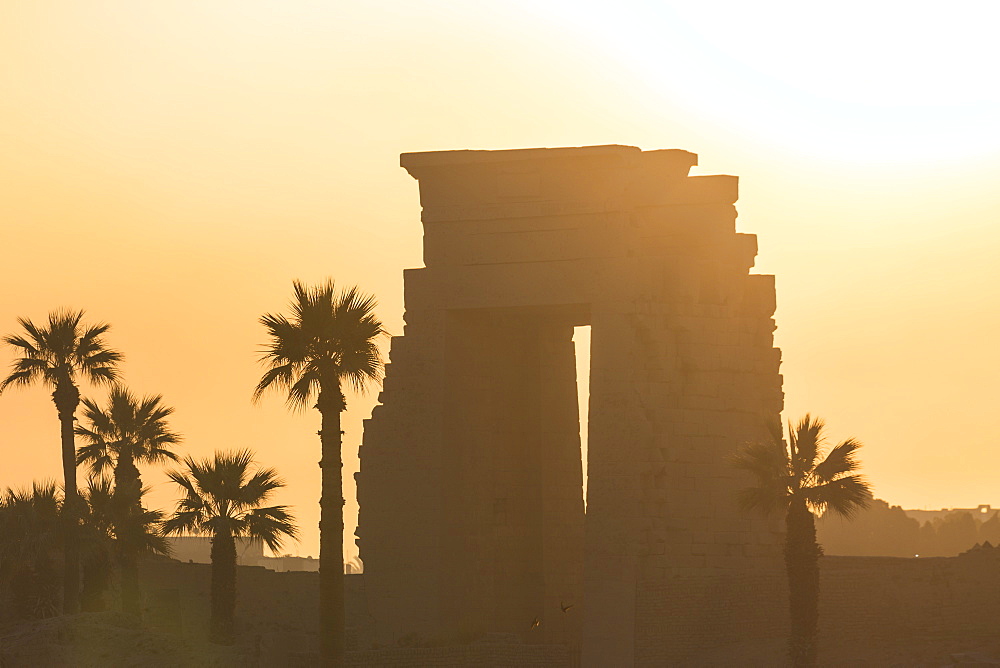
[472,513]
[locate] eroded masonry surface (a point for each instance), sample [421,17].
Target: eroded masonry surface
[472,512]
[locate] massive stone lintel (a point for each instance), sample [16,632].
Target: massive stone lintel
[472,515]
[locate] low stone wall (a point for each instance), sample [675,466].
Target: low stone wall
[277,622]
[873,611]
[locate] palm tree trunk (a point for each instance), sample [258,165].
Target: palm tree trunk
[331,530]
[131,599]
[128,484]
[128,488]
[96,577]
[222,624]
[802,565]
[67,397]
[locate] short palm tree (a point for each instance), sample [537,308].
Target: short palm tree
[116,530]
[31,536]
[331,339]
[58,356]
[797,480]
[128,431]
[97,542]
[223,499]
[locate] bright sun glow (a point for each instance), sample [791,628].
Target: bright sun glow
[878,81]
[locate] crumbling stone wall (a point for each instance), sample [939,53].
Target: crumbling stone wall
[472,516]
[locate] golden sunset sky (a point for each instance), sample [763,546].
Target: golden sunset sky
[171,166]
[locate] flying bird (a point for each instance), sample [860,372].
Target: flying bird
[564,607]
[535,623]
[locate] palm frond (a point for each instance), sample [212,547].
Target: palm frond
[805,440]
[844,496]
[222,496]
[331,337]
[105,375]
[61,351]
[281,375]
[258,488]
[764,460]
[272,526]
[301,392]
[90,339]
[187,482]
[364,366]
[17,341]
[183,522]
[22,377]
[841,460]
[97,455]
[158,455]
[766,499]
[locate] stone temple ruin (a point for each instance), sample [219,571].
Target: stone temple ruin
[472,510]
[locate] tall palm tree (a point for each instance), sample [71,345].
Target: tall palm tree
[127,432]
[30,539]
[223,499]
[58,356]
[797,480]
[330,339]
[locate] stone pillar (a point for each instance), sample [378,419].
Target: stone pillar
[618,437]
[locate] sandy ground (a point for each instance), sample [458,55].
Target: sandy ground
[107,639]
[92,640]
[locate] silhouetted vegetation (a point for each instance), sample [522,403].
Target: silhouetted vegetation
[223,499]
[31,543]
[58,356]
[116,532]
[128,431]
[331,338]
[101,531]
[794,478]
[882,530]
[110,532]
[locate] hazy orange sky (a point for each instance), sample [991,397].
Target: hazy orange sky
[171,166]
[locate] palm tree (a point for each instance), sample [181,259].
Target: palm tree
[223,499]
[798,480]
[97,541]
[31,535]
[116,530]
[331,338]
[58,356]
[128,431]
